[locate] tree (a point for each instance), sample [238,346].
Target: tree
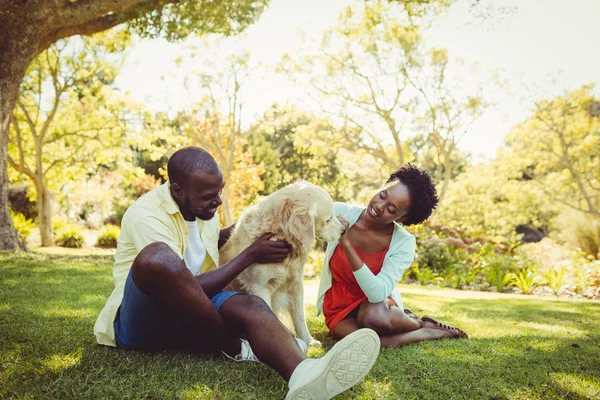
[376,78]
[66,117]
[492,200]
[285,141]
[29,28]
[215,123]
[556,148]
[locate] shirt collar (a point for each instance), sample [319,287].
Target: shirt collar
[169,203]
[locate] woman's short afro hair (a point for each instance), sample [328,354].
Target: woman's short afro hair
[423,196]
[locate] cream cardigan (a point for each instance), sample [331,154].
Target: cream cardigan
[376,287]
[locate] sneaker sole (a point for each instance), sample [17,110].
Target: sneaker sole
[349,361]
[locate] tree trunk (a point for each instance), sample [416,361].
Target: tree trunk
[15,57]
[44,206]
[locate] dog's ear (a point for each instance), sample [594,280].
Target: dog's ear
[298,219]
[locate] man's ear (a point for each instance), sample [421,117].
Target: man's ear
[176,190]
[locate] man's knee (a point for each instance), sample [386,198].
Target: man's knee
[157,259]
[375,319]
[246,306]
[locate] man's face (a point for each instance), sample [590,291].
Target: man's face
[201,197]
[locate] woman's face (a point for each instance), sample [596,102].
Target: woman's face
[389,205]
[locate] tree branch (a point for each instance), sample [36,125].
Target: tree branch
[105,15]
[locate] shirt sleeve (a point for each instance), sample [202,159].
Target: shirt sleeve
[149,229]
[378,287]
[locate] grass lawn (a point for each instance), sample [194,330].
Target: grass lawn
[520,347]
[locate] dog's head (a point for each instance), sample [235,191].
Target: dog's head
[303,211]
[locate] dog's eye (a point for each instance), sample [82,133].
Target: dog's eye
[329,219]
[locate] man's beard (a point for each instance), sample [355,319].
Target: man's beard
[203,214]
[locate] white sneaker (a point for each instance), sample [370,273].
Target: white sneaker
[246,353]
[345,365]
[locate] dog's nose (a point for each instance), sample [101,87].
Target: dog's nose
[343,231]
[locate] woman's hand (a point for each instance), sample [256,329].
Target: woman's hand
[346,224]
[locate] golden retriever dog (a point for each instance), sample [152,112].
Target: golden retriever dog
[297,213]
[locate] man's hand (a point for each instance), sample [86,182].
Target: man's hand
[267,251]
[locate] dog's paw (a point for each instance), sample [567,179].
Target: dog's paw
[315,344]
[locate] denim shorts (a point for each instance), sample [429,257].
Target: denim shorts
[141,324]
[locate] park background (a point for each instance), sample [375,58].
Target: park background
[497,100]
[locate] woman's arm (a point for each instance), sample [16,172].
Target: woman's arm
[378,287]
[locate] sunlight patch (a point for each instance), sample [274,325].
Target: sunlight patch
[198,392]
[377,390]
[71,312]
[578,384]
[56,362]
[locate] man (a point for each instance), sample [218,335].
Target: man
[169,291]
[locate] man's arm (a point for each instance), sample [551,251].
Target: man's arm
[224,235]
[263,251]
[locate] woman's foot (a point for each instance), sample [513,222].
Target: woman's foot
[453,332]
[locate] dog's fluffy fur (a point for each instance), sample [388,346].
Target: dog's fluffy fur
[296,213]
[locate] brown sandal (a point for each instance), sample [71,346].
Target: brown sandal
[411,314]
[456,333]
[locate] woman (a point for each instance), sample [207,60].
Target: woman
[362,269]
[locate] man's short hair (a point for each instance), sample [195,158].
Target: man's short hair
[188,161]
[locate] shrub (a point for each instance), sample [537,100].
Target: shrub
[434,255]
[425,275]
[588,237]
[58,224]
[108,236]
[556,278]
[69,236]
[497,270]
[525,280]
[22,225]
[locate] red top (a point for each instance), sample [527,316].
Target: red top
[345,294]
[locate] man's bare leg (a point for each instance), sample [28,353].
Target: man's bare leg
[159,273]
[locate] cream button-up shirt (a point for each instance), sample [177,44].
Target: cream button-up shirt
[154,217]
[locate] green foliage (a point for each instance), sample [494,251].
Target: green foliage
[58,223]
[556,278]
[587,233]
[108,236]
[498,270]
[490,201]
[434,255]
[288,143]
[425,275]
[556,148]
[22,225]
[19,201]
[183,18]
[525,280]
[70,236]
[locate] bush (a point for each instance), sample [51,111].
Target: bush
[108,236]
[70,236]
[588,237]
[434,255]
[58,224]
[20,203]
[22,225]
[498,270]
